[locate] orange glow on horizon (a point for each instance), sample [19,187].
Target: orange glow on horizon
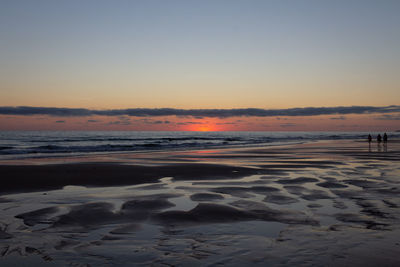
[202,128]
[362,122]
[205,128]
[205,125]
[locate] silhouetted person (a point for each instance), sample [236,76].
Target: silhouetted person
[385,137]
[379,138]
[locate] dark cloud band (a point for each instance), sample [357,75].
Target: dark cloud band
[216,113]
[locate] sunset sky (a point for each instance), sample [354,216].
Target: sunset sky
[227,57]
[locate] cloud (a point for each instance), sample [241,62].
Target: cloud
[60,112]
[93,121]
[211,113]
[338,118]
[225,123]
[60,121]
[349,126]
[148,121]
[389,117]
[120,122]
[286,125]
[189,123]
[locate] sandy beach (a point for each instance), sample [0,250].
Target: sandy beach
[322,203]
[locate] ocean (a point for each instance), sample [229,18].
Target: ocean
[23,144]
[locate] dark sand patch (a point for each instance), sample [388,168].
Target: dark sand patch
[4,235]
[295,189]
[111,238]
[88,215]
[205,213]
[332,185]
[328,178]
[252,205]
[339,204]
[5,200]
[37,216]
[315,195]
[159,196]
[285,167]
[126,229]
[349,194]
[265,213]
[151,187]
[205,197]
[280,199]
[299,180]
[147,204]
[314,205]
[263,189]
[67,244]
[313,162]
[371,208]
[389,191]
[244,192]
[240,192]
[230,183]
[360,219]
[390,203]
[333,173]
[190,188]
[207,171]
[307,194]
[364,183]
[28,178]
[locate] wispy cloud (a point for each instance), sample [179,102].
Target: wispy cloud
[216,113]
[122,121]
[226,123]
[338,118]
[189,123]
[286,125]
[60,121]
[389,117]
[149,121]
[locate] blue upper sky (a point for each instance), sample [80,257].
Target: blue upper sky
[195,54]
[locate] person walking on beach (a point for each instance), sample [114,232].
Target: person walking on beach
[369,138]
[384,137]
[379,138]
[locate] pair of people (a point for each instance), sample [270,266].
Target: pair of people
[378,138]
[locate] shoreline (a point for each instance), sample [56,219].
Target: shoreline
[83,155]
[117,156]
[132,168]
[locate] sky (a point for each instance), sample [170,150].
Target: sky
[200,55]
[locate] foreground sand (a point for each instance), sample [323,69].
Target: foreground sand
[316,204]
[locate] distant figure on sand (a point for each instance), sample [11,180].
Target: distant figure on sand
[385,137]
[369,138]
[379,138]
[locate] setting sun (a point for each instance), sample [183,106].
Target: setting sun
[205,128]
[202,128]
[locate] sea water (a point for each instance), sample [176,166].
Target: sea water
[22,144]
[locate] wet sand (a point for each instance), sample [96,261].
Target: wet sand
[333,203]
